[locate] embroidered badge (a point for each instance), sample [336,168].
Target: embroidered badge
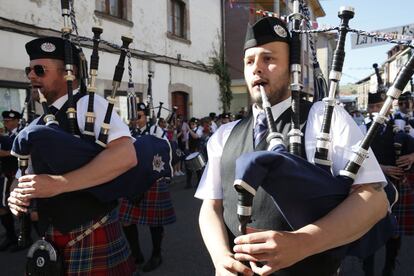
[48,47]
[280,31]
[40,262]
[141,106]
[157,163]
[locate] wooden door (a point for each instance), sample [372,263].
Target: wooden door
[180,100]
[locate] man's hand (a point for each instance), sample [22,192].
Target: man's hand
[40,186]
[275,249]
[406,161]
[392,171]
[18,203]
[34,186]
[227,265]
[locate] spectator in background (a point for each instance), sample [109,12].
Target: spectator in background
[357,116]
[2,129]
[194,140]
[207,132]
[225,118]
[182,139]
[185,129]
[242,113]
[174,134]
[159,130]
[213,118]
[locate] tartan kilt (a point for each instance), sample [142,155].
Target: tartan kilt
[404,208]
[104,252]
[154,209]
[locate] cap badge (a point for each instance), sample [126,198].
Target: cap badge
[157,163]
[48,47]
[280,31]
[11,115]
[142,106]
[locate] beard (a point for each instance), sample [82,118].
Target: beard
[256,98]
[275,96]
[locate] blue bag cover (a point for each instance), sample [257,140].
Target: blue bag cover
[304,193]
[54,151]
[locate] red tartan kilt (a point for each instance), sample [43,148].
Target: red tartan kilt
[104,252]
[404,208]
[154,209]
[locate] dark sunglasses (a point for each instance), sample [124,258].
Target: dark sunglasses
[39,70]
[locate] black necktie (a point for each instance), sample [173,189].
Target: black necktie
[53,110]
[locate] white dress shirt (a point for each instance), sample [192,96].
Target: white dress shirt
[344,132]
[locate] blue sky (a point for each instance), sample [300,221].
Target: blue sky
[369,15]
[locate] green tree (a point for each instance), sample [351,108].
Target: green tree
[220,68]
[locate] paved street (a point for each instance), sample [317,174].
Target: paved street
[185,254]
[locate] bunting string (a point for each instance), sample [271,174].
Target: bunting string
[313,28]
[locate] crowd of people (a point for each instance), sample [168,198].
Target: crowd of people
[188,136]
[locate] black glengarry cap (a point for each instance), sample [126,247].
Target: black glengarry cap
[11,114]
[50,48]
[267,29]
[378,97]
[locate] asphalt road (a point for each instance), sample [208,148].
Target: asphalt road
[184,252]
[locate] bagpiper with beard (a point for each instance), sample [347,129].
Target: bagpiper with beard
[282,252]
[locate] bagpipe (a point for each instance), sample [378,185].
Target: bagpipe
[323,139]
[403,143]
[54,150]
[304,192]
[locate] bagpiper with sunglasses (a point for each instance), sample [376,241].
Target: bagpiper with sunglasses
[85,231]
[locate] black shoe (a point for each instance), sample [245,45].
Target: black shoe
[152,263]
[7,243]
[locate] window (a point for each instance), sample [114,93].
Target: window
[16,96]
[116,8]
[121,102]
[177,18]
[12,98]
